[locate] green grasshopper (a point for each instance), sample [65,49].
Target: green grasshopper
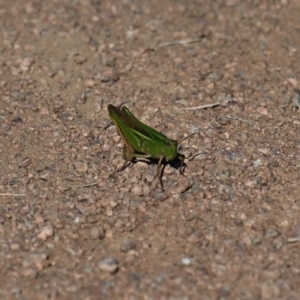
[142,141]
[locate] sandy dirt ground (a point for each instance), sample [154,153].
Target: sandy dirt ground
[229,228]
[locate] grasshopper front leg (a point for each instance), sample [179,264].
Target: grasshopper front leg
[158,171]
[181,157]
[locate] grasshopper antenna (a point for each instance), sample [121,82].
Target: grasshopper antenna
[192,134]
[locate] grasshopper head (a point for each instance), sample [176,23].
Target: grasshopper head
[172,153]
[170,150]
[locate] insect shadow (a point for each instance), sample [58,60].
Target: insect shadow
[176,164]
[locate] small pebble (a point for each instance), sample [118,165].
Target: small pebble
[80,167]
[109,212]
[109,264]
[137,190]
[186,261]
[15,246]
[251,183]
[116,139]
[44,111]
[98,233]
[30,273]
[293,82]
[264,151]
[26,63]
[89,83]
[44,176]
[127,244]
[4,127]
[271,233]
[24,163]
[193,238]
[257,163]
[131,256]
[92,219]
[45,232]
[39,220]
[40,260]
[182,186]
[262,111]
[25,210]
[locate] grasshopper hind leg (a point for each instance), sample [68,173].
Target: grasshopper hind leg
[128,155]
[129,158]
[124,166]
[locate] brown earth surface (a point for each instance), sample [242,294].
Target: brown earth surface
[229,228]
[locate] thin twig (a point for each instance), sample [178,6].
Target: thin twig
[179,42]
[293,240]
[202,106]
[190,158]
[82,186]
[190,218]
[190,135]
[249,122]
[15,195]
